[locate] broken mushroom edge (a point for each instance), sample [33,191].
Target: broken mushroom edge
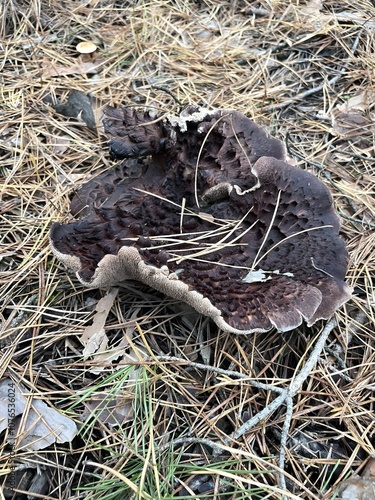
[128,264]
[111,271]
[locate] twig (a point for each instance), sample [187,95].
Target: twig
[354,155]
[209,368]
[358,221]
[167,91]
[292,151]
[307,93]
[318,88]
[285,396]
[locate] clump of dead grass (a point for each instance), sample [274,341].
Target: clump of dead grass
[285,64]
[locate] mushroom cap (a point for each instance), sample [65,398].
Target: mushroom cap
[254,245]
[86,47]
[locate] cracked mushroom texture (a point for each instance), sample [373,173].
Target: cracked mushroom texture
[205,208]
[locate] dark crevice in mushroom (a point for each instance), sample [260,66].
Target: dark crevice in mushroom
[214,216]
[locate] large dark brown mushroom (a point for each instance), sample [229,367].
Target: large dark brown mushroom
[206,209]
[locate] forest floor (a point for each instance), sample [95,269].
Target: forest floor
[130,423]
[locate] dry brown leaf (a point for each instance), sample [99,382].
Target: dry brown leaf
[98,107]
[83,68]
[104,356]
[352,118]
[363,102]
[119,410]
[205,349]
[360,487]
[351,124]
[71,179]
[109,411]
[312,8]
[60,143]
[40,427]
[93,336]
[313,17]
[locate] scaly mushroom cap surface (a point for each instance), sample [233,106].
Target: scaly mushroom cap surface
[205,209]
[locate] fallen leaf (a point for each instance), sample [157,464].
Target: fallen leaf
[205,349]
[60,143]
[98,108]
[28,476]
[71,179]
[363,102]
[115,410]
[353,117]
[360,487]
[49,69]
[93,337]
[312,8]
[104,356]
[354,123]
[109,411]
[40,427]
[311,15]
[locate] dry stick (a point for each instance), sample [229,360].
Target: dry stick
[170,93]
[285,397]
[354,155]
[305,94]
[320,87]
[209,368]
[293,152]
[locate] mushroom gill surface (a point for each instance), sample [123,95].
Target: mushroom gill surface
[205,208]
